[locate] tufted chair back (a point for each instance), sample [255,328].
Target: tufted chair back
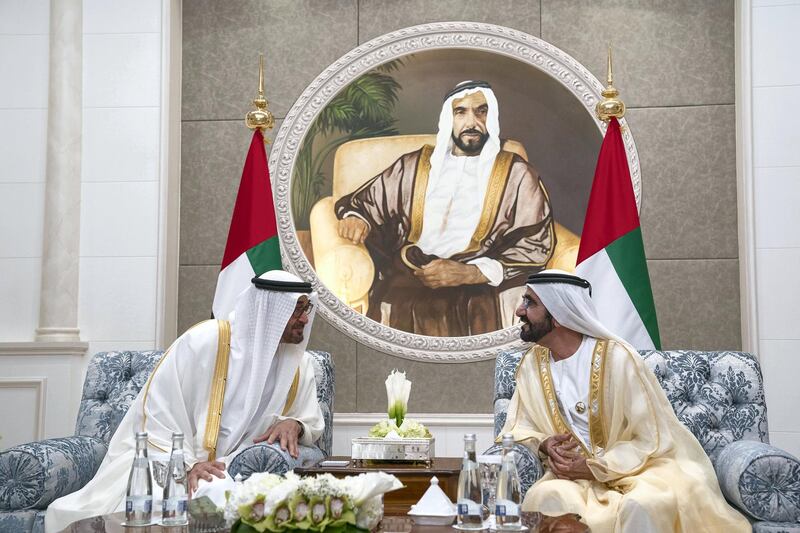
[719,396]
[114,379]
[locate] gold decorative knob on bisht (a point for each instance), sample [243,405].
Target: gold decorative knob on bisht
[610,105]
[261,117]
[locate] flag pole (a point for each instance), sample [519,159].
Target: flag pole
[611,105]
[260,118]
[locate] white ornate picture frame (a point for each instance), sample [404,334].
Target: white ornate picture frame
[435,36]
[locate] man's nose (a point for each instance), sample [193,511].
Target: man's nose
[470,121]
[303,319]
[520,311]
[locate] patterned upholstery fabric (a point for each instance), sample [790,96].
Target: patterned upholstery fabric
[113,380]
[33,475]
[37,473]
[761,479]
[719,396]
[23,520]
[263,457]
[775,527]
[326,389]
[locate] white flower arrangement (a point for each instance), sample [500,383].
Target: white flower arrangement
[268,502]
[398,389]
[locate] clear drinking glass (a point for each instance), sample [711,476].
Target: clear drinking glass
[489,469]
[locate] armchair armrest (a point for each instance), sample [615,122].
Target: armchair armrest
[529,466]
[763,481]
[264,457]
[345,268]
[32,475]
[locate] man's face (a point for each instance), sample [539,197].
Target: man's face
[536,320]
[293,332]
[469,123]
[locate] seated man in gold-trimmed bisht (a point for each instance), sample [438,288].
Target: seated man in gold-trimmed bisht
[613,449]
[269,395]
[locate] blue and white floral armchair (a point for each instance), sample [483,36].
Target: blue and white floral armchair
[33,475]
[719,396]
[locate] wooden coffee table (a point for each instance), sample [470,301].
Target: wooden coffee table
[416,478]
[112,523]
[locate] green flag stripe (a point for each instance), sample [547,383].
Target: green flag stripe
[627,255]
[265,256]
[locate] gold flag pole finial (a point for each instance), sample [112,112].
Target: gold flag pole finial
[610,105]
[260,118]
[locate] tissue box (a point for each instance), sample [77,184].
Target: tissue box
[373,449]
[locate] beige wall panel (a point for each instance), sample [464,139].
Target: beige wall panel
[343,350]
[196,286]
[697,302]
[376,17]
[666,52]
[213,155]
[688,159]
[436,387]
[221,42]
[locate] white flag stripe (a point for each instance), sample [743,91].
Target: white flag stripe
[231,281]
[614,305]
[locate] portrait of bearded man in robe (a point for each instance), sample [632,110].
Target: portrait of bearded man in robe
[450,227]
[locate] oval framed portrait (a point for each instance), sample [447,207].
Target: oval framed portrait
[424,175]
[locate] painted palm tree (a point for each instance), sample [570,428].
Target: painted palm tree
[365,108]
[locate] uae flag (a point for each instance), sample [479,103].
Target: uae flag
[611,254]
[252,247]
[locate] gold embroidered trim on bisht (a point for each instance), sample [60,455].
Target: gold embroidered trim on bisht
[292,392]
[491,201]
[597,429]
[418,196]
[214,416]
[543,360]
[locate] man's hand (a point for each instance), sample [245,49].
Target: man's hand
[204,471]
[564,459]
[446,273]
[286,432]
[353,229]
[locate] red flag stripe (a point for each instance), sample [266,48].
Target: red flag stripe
[253,219]
[612,205]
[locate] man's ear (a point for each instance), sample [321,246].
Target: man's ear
[556,324]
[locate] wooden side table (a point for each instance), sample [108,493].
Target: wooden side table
[416,478]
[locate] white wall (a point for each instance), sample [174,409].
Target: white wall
[24,57]
[775,86]
[121,190]
[122,50]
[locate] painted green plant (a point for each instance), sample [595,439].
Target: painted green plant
[365,108]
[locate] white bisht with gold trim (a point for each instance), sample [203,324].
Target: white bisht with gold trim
[651,474]
[184,394]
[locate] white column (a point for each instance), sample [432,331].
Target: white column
[58,315]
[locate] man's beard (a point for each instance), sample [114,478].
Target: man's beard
[470,149]
[538,330]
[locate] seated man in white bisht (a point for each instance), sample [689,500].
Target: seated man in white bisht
[614,452]
[269,395]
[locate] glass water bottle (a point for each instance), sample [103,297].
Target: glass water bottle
[470,496]
[509,494]
[174,506]
[139,495]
